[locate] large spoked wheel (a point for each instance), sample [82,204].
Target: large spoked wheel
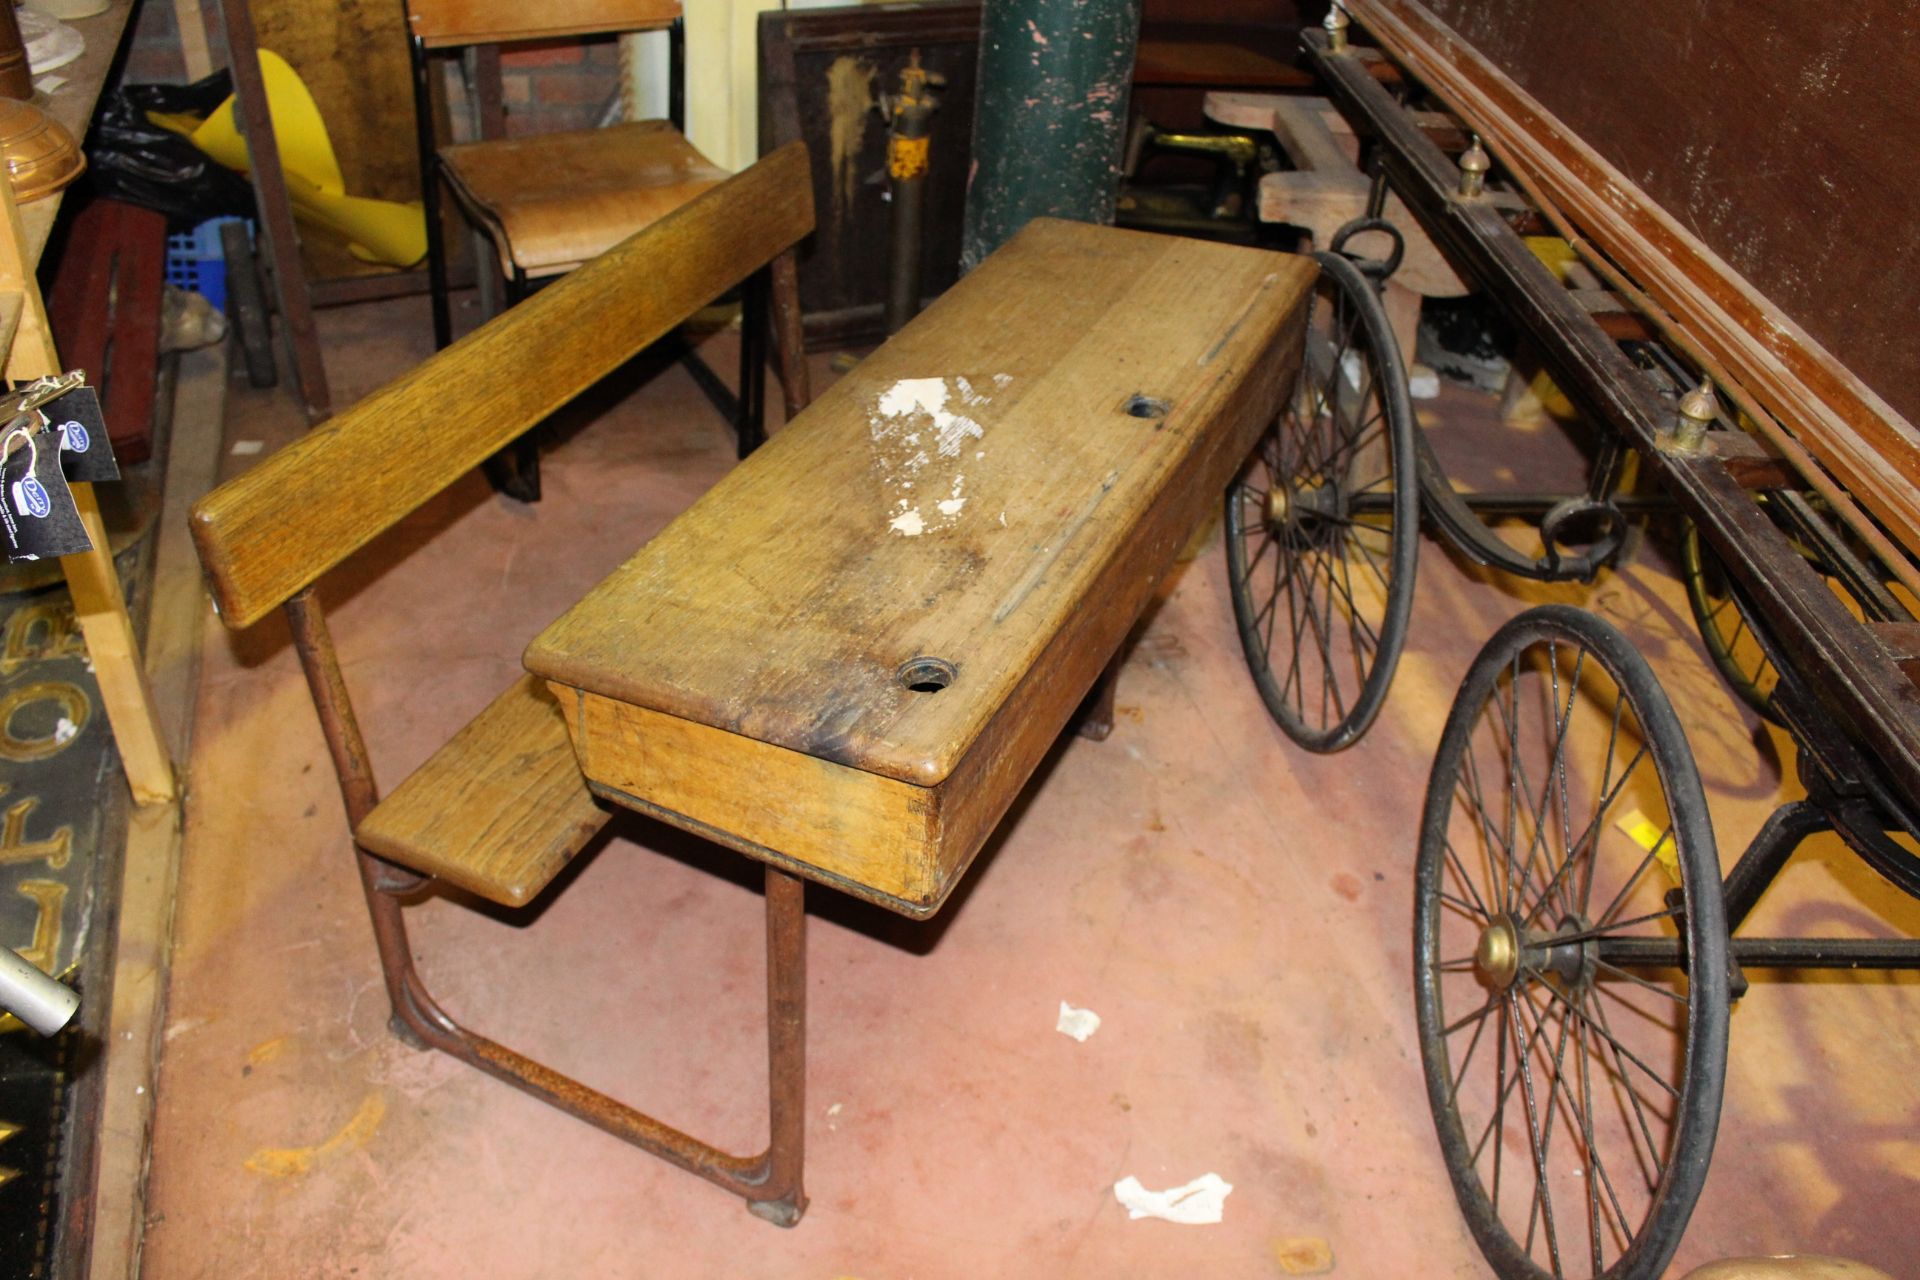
[1733,644]
[1570,955]
[1322,526]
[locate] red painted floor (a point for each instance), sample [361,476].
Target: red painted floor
[1237,912]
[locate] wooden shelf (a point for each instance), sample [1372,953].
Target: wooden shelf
[72,105]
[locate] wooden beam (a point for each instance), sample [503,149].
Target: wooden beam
[288,276]
[98,601]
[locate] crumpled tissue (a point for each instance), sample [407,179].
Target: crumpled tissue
[1078,1023]
[1199,1203]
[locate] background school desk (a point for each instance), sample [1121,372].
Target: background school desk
[846,659]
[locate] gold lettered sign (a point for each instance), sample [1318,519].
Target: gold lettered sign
[49,808]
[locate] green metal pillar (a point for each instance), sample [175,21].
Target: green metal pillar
[1051,115]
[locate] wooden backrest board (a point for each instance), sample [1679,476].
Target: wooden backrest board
[441,23]
[278,528]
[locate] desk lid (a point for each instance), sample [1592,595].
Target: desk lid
[873,583]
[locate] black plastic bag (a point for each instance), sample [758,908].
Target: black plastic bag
[132,159]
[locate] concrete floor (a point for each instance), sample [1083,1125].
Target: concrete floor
[1236,910]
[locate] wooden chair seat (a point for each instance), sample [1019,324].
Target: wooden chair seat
[499,809]
[553,201]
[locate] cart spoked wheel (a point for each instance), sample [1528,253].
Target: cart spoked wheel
[1322,526]
[1570,955]
[1732,643]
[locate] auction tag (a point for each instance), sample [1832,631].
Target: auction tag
[38,520]
[85,452]
[73,410]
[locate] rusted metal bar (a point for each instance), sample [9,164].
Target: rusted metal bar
[380,880]
[780,1197]
[314,643]
[770,1182]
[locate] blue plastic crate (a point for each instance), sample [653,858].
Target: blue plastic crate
[195,261]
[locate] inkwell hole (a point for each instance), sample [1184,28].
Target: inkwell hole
[927,675]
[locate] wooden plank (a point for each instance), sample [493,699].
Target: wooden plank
[106,298]
[1325,190]
[143,939]
[453,22]
[1765,127]
[783,605]
[841,823]
[72,106]
[352,55]
[98,602]
[499,809]
[1852,428]
[750,668]
[11,306]
[278,237]
[281,526]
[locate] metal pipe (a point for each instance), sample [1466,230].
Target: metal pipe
[1785,830]
[43,1003]
[783,1200]
[909,129]
[1770,953]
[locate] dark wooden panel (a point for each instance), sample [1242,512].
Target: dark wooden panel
[1784,135]
[804,55]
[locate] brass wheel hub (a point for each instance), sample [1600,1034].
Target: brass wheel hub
[1497,958]
[1298,510]
[1507,950]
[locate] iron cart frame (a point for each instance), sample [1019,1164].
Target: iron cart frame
[1844,694]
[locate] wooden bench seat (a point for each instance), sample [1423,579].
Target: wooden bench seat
[502,807]
[499,809]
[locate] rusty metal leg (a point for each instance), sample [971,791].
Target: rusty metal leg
[783,1200]
[770,1182]
[1094,719]
[414,1015]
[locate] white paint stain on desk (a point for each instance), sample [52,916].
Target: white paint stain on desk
[919,429]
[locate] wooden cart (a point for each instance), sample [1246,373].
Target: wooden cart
[1576,946]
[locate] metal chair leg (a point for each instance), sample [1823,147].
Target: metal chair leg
[515,470]
[782,1199]
[750,412]
[770,1182]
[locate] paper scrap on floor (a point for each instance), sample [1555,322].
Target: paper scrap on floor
[1078,1023]
[1199,1203]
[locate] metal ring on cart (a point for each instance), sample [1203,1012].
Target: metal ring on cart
[1379,270]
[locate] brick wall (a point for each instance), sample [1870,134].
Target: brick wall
[559,84]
